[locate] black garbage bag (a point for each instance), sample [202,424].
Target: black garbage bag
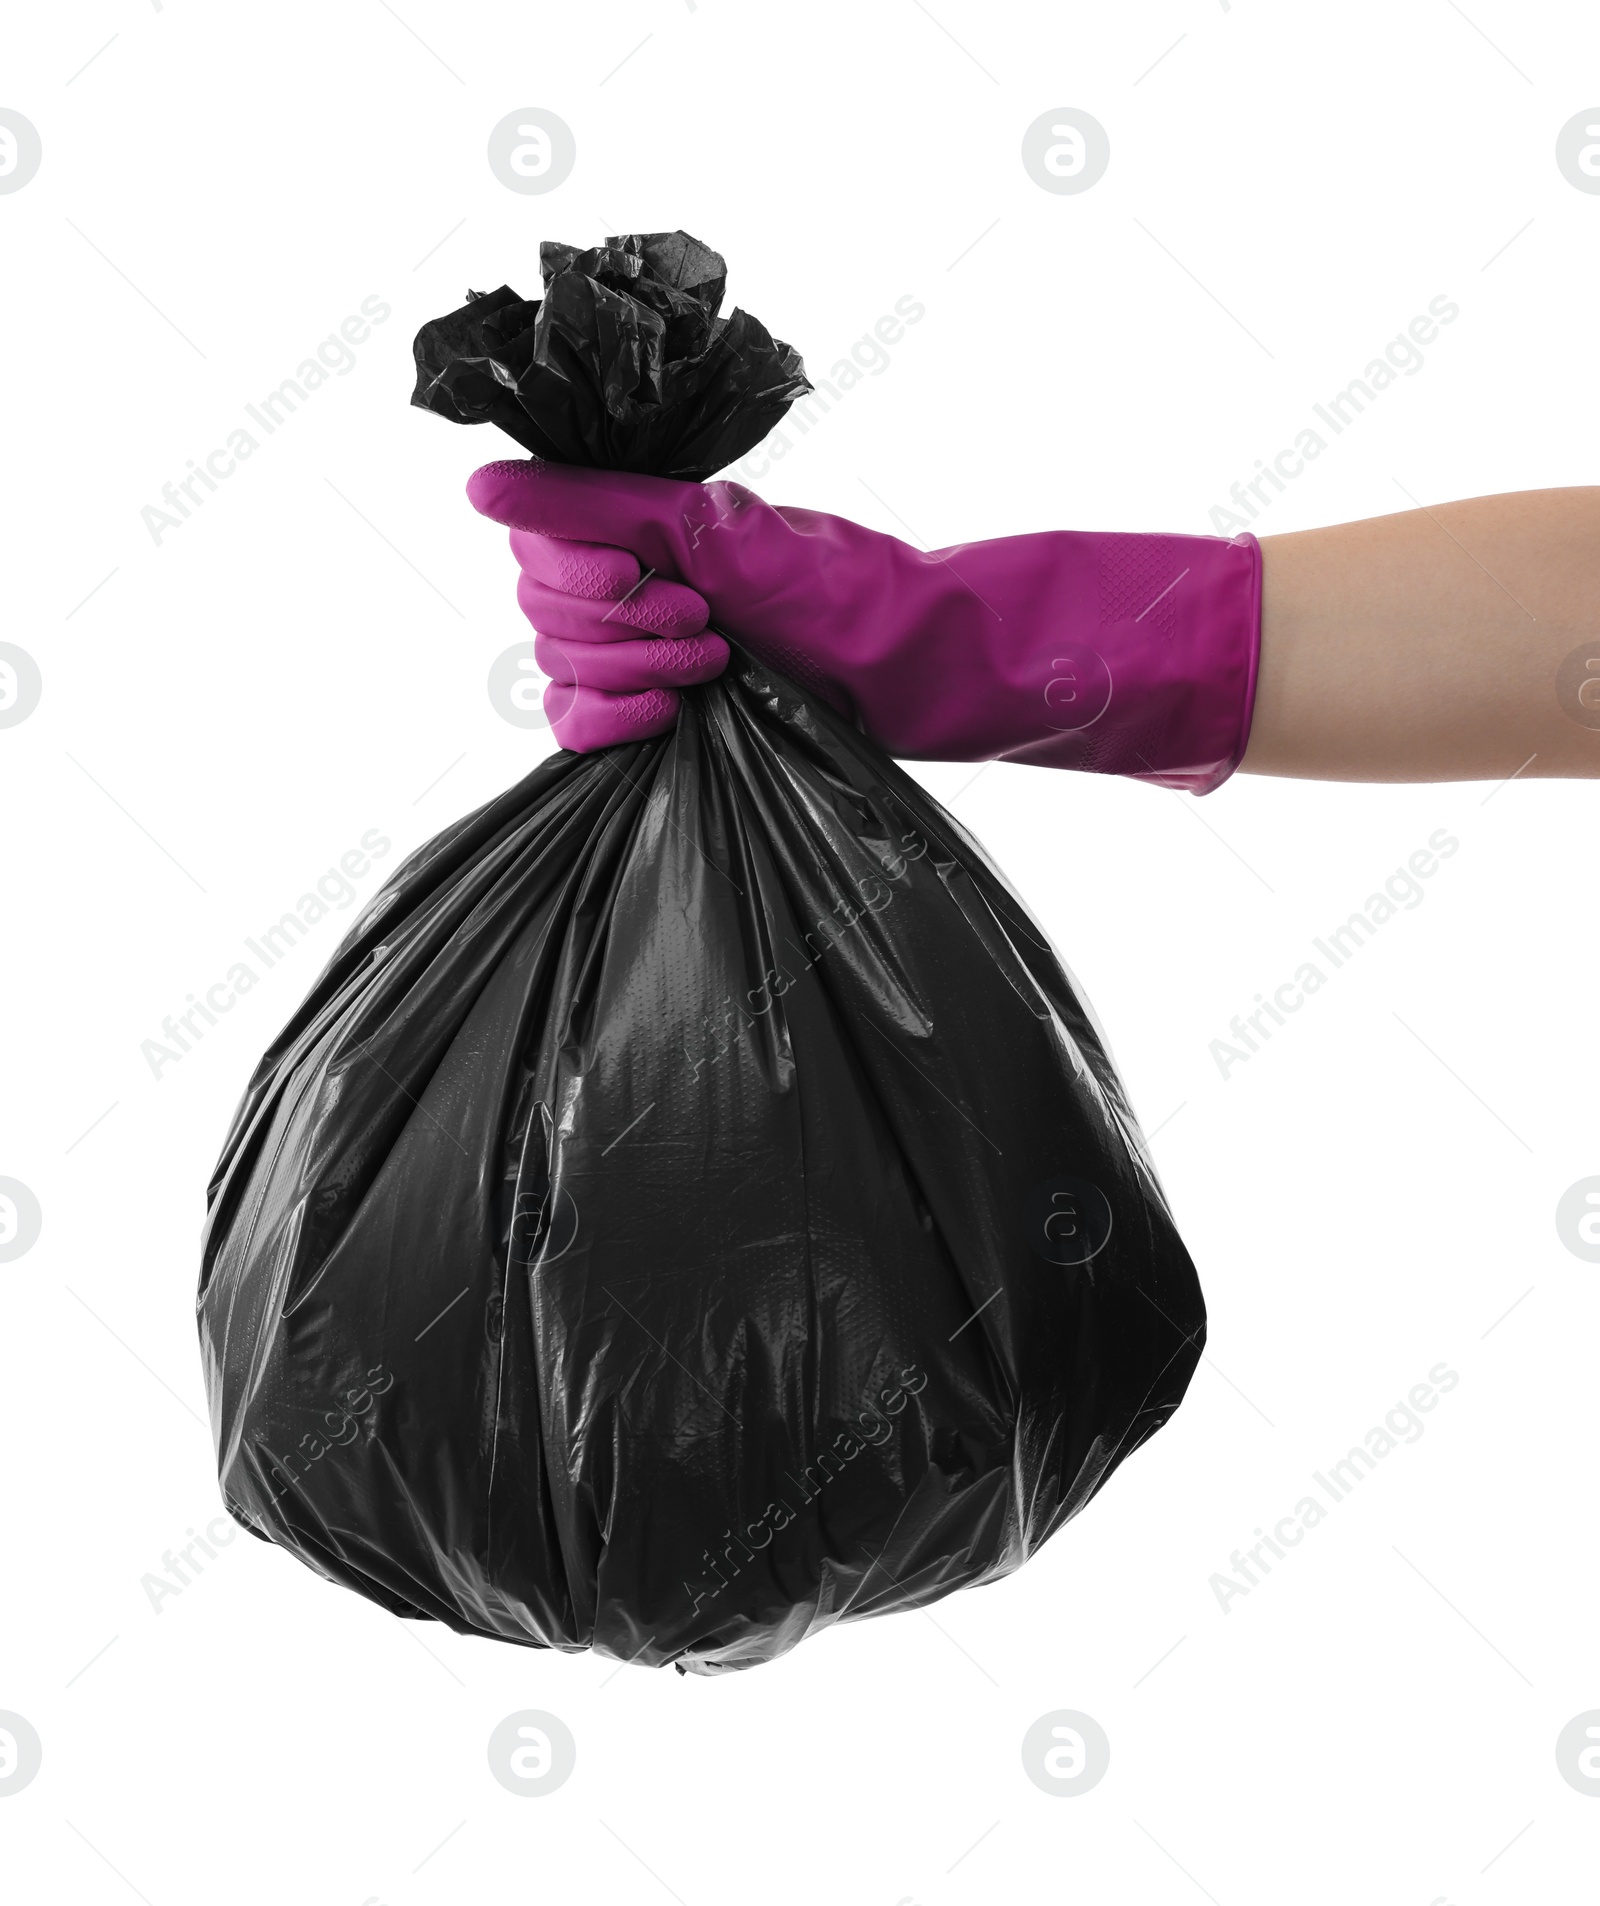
[695,1205]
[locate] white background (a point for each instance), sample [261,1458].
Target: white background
[231,709]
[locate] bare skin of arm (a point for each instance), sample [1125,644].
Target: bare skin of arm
[1425,646]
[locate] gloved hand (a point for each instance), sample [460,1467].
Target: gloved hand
[1131,655]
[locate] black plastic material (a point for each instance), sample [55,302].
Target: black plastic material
[625,364]
[693,1207]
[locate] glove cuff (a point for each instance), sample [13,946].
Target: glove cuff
[1160,684]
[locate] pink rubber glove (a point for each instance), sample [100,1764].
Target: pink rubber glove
[1132,655]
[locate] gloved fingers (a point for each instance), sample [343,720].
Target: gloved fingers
[661,608]
[625,667]
[577,569]
[584,719]
[670,526]
[579,505]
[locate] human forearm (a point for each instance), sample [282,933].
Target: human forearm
[1425,646]
[1415,647]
